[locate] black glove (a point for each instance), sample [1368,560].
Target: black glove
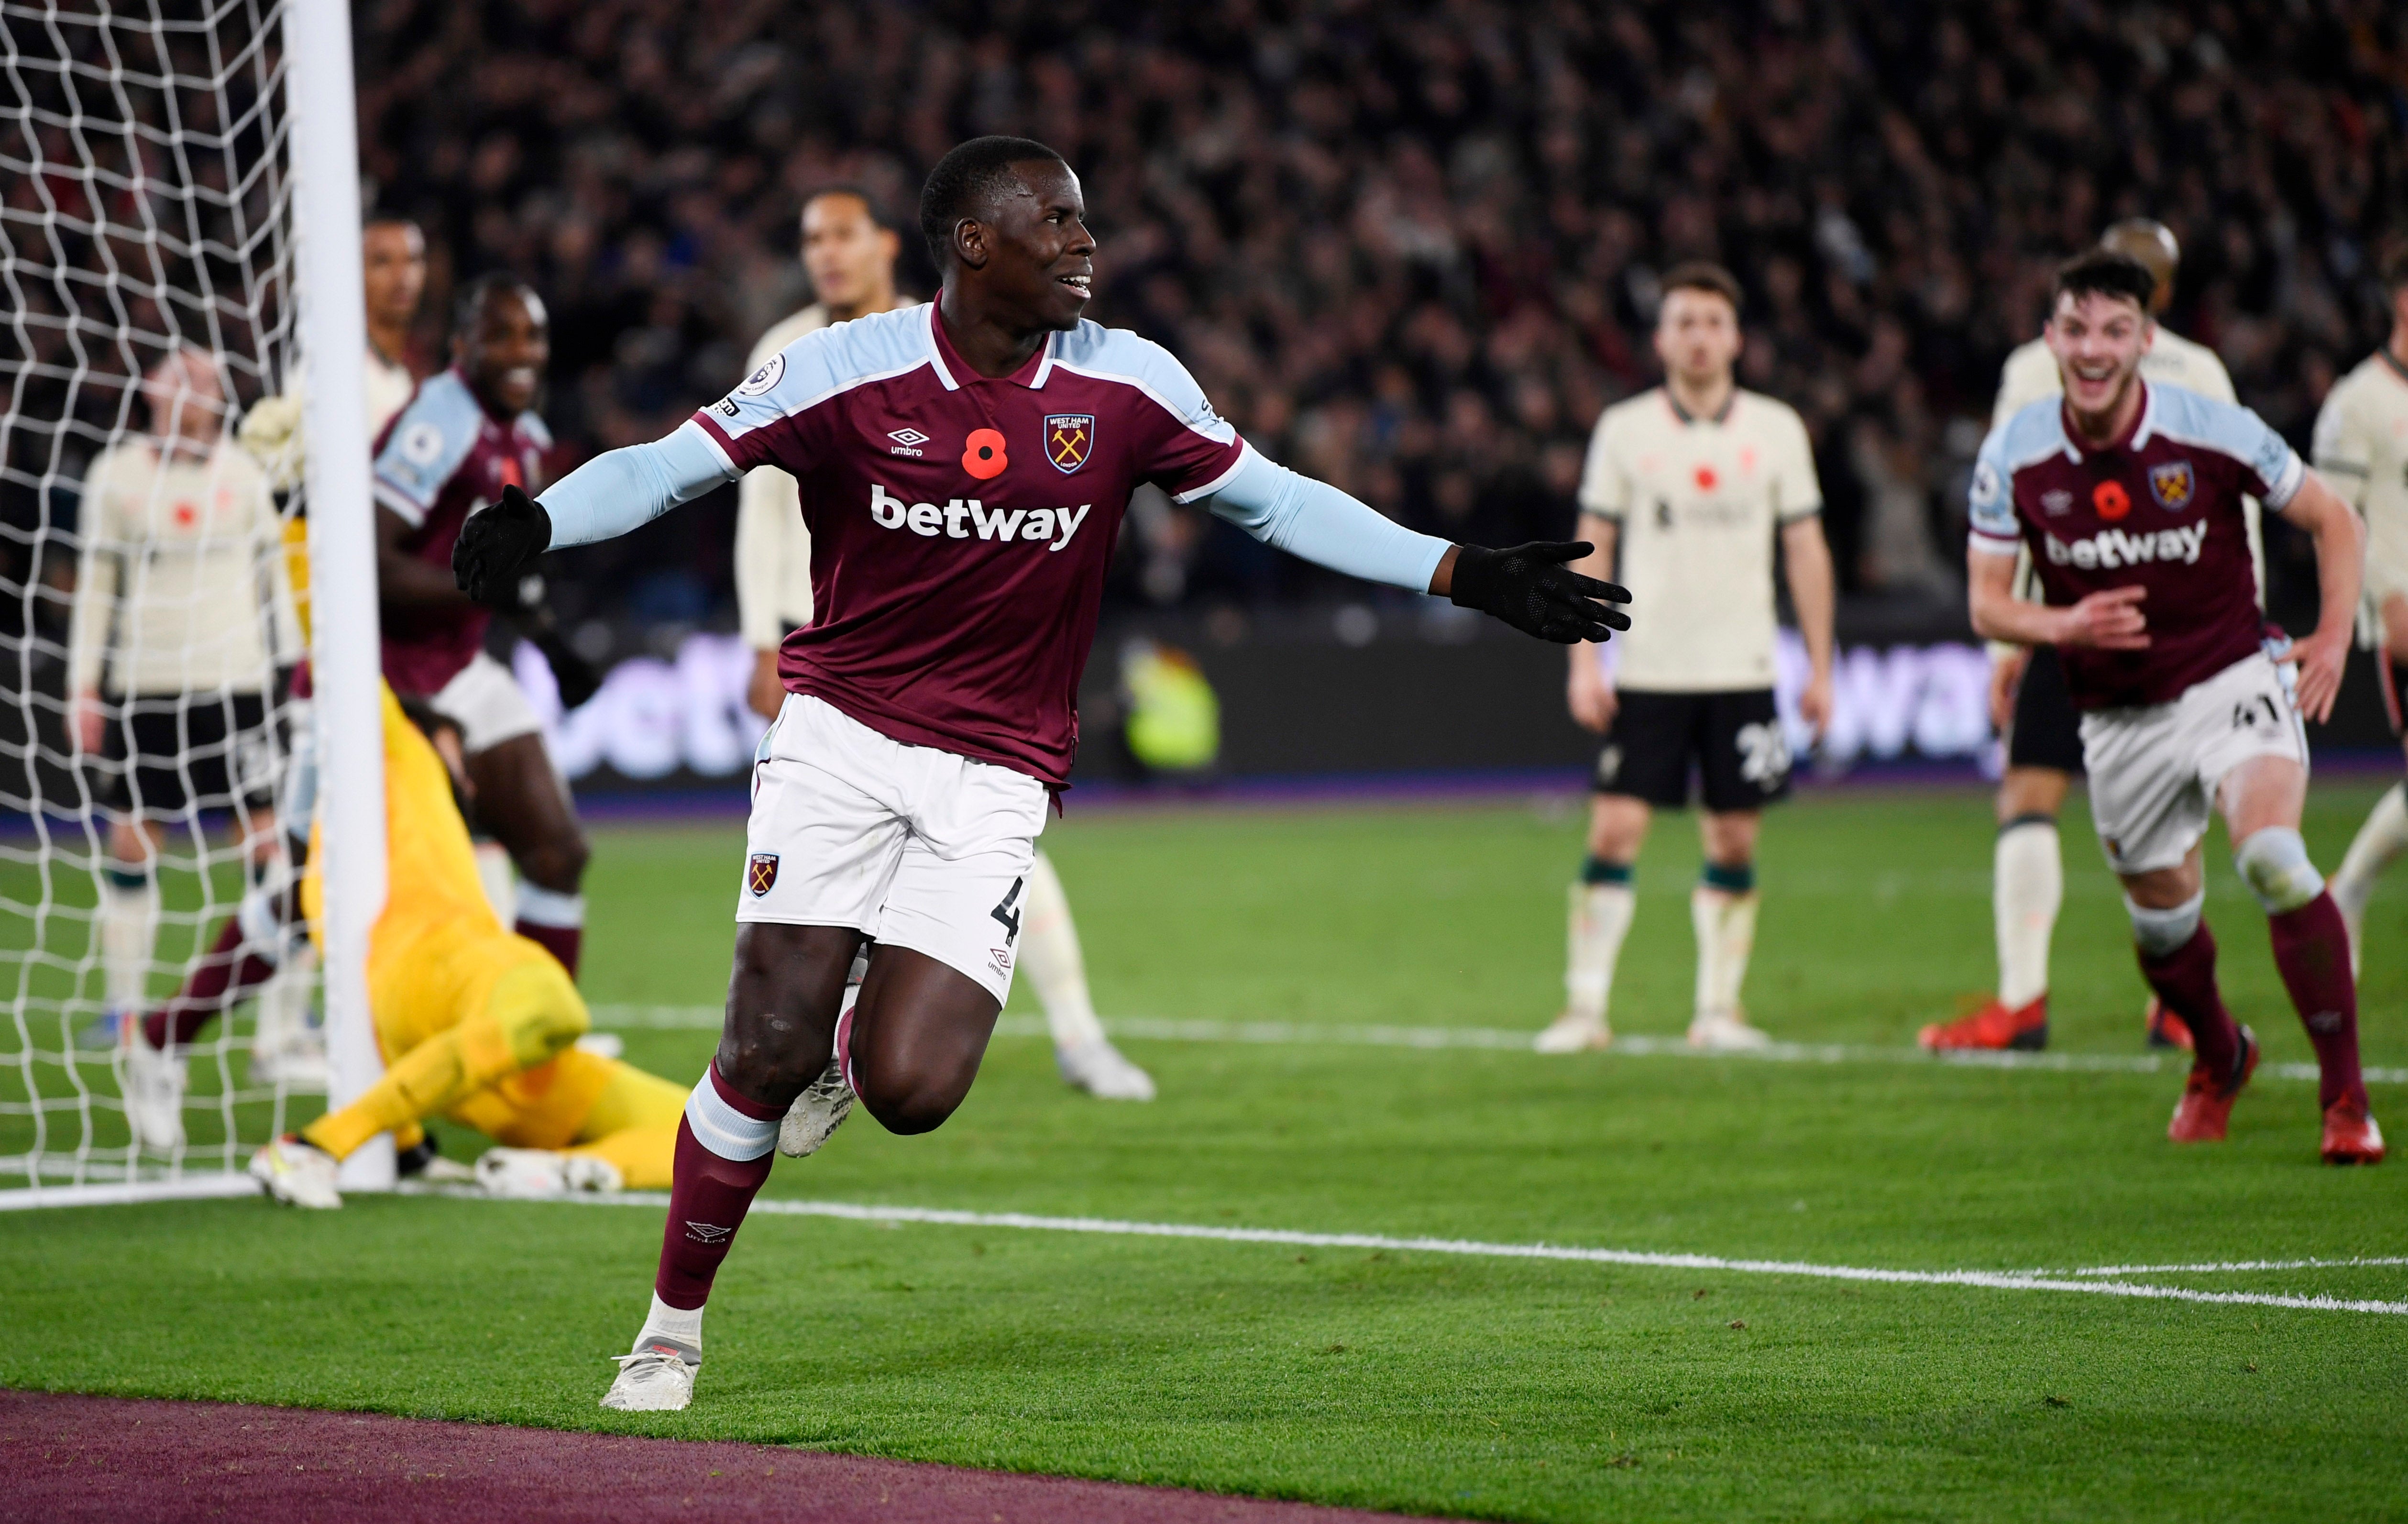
[1531,589]
[499,546]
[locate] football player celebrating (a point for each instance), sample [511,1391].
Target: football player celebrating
[2361,443]
[2129,495]
[470,433]
[2029,703]
[849,252]
[1695,480]
[965,467]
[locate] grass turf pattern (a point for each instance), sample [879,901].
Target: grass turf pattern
[1411,1380]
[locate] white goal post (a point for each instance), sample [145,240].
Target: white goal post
[180,239]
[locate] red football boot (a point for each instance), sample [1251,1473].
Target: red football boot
[2351,1136]
[1995,1025]
[2166,1030]
[2207,1098]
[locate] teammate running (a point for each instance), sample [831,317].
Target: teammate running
[468,434]
[849,252]
[2361,443]
[2129,495]
[1695,480]
[965,468]
[2029,705]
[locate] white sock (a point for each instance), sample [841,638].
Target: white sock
[2383,837]
[129,924]
[2027,886]
[1725,922]
[283,1015]
[1600,919]
[1049,954]
[501,883]
[677,1324]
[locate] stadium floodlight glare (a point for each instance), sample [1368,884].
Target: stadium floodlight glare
[180,217]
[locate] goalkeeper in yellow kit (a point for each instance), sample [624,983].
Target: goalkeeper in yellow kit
[476,1023]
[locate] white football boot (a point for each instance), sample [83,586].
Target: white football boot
[816,1114]
[1573,1033]
[657,1378]
[1725,1031]
[545,1171]
[153,1083]
[296,1173]
[1103,1072]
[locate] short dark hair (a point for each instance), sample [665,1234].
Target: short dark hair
[869,203]
[474,295]
[967,180]
[2104,272]
[1704,275]
[2394,269]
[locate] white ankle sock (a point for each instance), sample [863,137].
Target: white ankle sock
[677,1323]
[2383,837]
[129,924]
[1600,919]
[1725,924]
[1049,954]
[2027,887]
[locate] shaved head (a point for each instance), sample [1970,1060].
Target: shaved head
[2152,244]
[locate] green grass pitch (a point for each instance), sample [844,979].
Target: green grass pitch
[1494,1388]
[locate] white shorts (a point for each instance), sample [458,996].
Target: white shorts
[487,704]
[2155,768]
[917,847]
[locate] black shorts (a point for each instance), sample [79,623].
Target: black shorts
[1733,739]
[169,753]
[2045,731]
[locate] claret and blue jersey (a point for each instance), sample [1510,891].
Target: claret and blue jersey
[2158,508]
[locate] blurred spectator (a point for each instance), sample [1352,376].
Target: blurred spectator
[1411,247]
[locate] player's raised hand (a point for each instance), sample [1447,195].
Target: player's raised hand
[1532,588]
[2321,657]
[497,545]
[2109,620]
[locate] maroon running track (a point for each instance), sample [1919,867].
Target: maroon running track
[66,1458]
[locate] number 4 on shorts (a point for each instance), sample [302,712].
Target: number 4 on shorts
[1008,914]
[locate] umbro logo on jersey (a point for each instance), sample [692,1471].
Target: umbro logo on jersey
[970,519]
[2115,548]
[908,435]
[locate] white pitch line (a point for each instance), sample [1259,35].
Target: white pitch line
[1986,1279]
[2224,1267]
[1502,1039]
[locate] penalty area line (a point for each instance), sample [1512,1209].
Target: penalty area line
[1503,1040]
[1473,1248]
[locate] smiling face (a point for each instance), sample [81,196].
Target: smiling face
[1031,258]
[1697,336]
[503,351]
[2097,339]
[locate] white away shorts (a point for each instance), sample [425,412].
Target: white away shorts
[487,704]
[917,847]
[2155,768]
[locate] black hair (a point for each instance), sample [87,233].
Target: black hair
[2394,273]
[966,182]
[474,294]
[2104,272]
[869,203]
[388,219]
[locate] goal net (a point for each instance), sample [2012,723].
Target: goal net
[160,998]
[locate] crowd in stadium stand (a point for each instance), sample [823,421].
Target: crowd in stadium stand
[1412,248]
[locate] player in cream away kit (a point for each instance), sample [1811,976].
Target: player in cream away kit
[964,466]
[849,252]
[2129,497]
[1693,482]
[2029,705]
[2361,447]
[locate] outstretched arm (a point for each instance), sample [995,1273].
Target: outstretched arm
[614,493]
[1527,587]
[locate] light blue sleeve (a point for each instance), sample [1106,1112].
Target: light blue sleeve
[1324,526]
[621,490]
[1990,501]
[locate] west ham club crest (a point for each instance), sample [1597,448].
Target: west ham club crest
[1069,437]
[760,872]
[2171,486]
